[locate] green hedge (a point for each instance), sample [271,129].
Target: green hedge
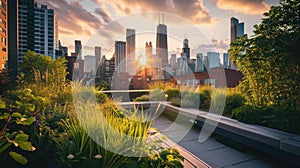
[271,117]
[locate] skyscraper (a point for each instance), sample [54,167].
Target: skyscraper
[130,49]
[186,48]
[162,43]
[38,29]
[25,27]
[78,49]
[199,62]
[236,28]
[225,60]
[120,54]
[3,35]
[213,60]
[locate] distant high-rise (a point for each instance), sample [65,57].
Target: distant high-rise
[120,54]
[225,60]
[173,61]
[213,60]
[78,49]
[3,36]
[236,28]
[186,48]
[25,27]
[130,49]
[38,29]
[199,62]
[162,43]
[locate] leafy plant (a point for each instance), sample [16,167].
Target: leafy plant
[17,114]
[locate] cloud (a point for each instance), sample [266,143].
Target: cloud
[218,45]
[73,17]
[245,6]
[192,10]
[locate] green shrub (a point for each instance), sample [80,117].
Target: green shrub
[176,101]
[157,95]
[142,98]
[232,102]
[173,93]
[270,117]
[101,97]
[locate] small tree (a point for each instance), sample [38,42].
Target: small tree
[46,77]
[270,59]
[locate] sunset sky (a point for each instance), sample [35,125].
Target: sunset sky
[206,23]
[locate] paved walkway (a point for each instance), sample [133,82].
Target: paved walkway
[212,152]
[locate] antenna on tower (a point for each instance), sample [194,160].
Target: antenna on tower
[163,19]
[159,17]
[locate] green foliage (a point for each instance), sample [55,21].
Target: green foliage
[270,117]
[157,95]
[101,97]
[80,150]
[17,115]
[102,85]
[142,98]
[270,59]
[173,93]
[233,101]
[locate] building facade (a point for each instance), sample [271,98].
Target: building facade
[130,51]
[120,56]
[236,30]
[38,29]
[213,60]
[162,44]
[3,35]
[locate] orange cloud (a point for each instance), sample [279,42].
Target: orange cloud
[192,10]
[253,7]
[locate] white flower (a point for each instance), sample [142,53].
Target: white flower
[70,156]
[98,156]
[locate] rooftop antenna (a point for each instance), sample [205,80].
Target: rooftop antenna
[159,17]
[163,19]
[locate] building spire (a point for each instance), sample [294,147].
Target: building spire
[159,17]
[163,18]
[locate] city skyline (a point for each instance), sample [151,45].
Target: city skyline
[212,17]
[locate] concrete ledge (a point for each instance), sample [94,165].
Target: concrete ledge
[279,144]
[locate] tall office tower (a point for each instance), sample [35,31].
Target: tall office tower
[78,49]
[45,31]
[162,43]
[192,65]
[199,62]
[205,63]
[173,61]
[25,27]
[213,60]
[236,30]
[186,48]
[12,21]
[183,66]
[89,66]
[97,58]
[130,49]
[120,54]
[38,29]
[225,60]
[3,35]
